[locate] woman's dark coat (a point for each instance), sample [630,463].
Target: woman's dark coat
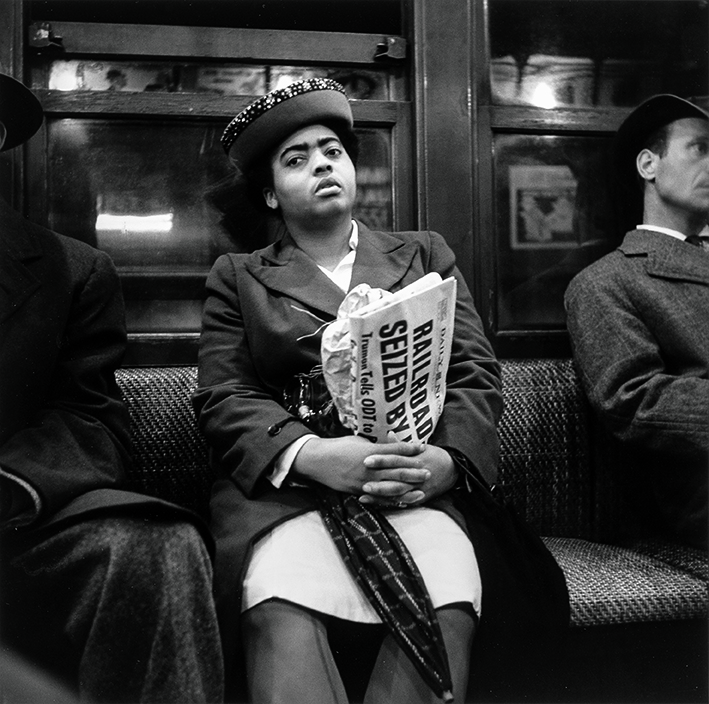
[262,322]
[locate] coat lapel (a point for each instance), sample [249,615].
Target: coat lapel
[667,257]
[18,247]
[285,268]
[382,259]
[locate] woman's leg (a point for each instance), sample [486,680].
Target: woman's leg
[288,659]
[396,681]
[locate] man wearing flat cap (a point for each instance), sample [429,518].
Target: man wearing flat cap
[639,322]
[108,590]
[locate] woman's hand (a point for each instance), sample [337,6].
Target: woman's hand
[383,475]
[442,477]
[352,463]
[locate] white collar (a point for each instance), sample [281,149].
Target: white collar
[354,236]
[664,230]
[342,273]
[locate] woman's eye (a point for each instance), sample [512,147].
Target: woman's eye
[294,161]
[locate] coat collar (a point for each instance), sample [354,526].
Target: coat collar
[382,260]
[667,257]
[18,247]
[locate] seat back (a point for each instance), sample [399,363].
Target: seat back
[170,457]
[546,463]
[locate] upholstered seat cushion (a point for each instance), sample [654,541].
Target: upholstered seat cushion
[644,582]
[544,468]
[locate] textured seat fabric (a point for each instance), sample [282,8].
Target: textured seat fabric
[547,468]
[547,461]
[170,458]
[610,585]
[544,457]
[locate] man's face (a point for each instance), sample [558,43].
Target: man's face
[313,176]
[682,174]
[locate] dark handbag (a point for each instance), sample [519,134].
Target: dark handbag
[307,397]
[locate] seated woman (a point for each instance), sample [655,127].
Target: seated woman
[283,575]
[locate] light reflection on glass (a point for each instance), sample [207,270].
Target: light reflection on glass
[543,96]
[222,79]
[553,217]
[142,224]
[597,52]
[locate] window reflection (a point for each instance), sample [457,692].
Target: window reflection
[555,53]
[374,205]
[222,79]
[136,190]
[553,218]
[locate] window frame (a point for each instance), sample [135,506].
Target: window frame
[177,43]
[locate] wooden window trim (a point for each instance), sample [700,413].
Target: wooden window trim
[193,105]
[94,38]
[521,119]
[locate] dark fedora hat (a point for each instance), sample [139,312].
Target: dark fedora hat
[20,111]
[644,121]
[631,137]
[270,119]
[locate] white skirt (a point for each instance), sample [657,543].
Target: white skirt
[297,561]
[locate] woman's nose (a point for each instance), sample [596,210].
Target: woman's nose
[321,163]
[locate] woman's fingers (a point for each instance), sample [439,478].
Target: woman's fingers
[401,475]
[405,500]
[392,460]
[387,488]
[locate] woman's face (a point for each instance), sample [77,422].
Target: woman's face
[313,176]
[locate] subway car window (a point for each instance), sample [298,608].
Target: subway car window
[551,217]
[560,78]
[136,96]
[553,53]
[122,186]
[218,79]
[489,122]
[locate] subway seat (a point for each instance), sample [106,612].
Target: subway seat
[638,609]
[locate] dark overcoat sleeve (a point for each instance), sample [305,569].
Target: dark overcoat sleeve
[65,430]
[633,338]
[234,403]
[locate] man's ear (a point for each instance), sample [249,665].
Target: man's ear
[270,198]
[3,134]
[646,164]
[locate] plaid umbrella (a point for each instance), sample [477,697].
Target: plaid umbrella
[385,571]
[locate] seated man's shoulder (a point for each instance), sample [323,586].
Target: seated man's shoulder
[611,272]
[69,252]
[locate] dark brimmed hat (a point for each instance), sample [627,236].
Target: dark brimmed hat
[647,118]
[266,122]
[20,111]
[630,139]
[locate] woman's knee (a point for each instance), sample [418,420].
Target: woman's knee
[287,625]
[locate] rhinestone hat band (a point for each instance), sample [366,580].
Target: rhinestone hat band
[270,100]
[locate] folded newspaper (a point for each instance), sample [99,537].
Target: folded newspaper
[386,356]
